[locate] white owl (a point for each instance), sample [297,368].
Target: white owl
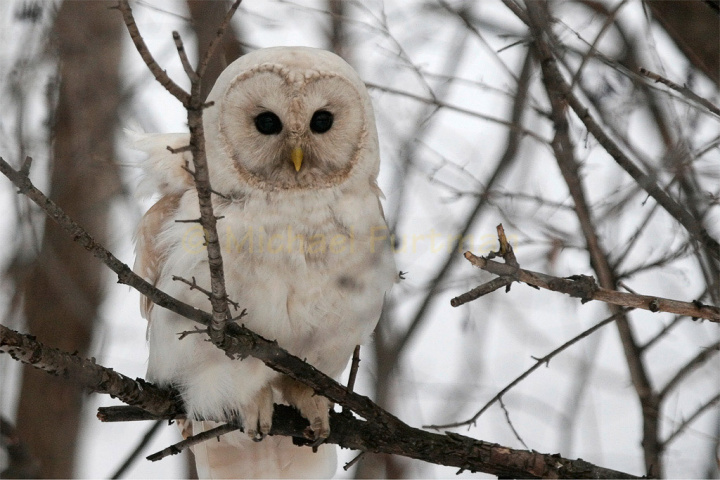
[293,152]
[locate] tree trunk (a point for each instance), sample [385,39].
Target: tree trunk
[63,288]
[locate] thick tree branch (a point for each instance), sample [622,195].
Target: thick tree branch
[87,373]
[564,150]
[450,449]
[374,436]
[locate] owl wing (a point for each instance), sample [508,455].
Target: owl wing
[150,253]
[168,174]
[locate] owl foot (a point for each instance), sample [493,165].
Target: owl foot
[257,415]
[315,408]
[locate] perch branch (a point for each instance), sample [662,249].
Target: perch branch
[450,449]
[382,432]
[241,342]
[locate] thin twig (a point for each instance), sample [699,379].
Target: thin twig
[538,363]
[479,291]
[354,365]
[135,454]
[455,108]
[685,423]
[704,354]
[193,440]
[184,59]
[217,40]
[509,422]
[160,75]
[683,90]
[675,322]
[352,462]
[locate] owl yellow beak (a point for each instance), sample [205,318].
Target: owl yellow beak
[297,157]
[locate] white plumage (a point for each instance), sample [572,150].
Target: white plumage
[292,147]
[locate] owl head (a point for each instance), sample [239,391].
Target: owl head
[289,118]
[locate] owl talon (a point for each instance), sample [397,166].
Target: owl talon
[318,442]
[315,408]
[257,415]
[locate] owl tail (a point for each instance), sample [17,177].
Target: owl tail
[234,455]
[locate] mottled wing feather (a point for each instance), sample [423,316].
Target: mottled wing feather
[150,256]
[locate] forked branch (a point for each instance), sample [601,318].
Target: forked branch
[580,286]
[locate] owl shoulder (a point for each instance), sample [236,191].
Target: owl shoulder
[168,164]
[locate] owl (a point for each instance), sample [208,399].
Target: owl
[292,151]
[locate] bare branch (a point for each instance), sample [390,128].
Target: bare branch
[160,75]
[481,290]
[185,62]
[538,363]
[689,367]
[193,440]
[700,410]
[585,288]
[450,449]
[355,364]
[135,454]
[686,92]
[217,40]
[553,75]
[87,373]
[430,101]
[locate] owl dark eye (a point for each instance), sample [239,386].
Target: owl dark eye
[321,121]
[268,123]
